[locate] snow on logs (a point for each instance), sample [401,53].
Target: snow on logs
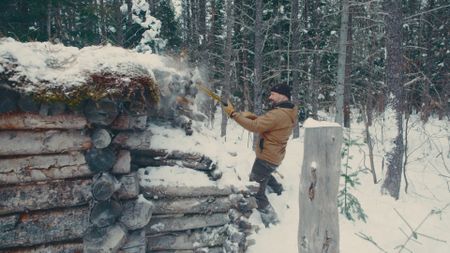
[74,180]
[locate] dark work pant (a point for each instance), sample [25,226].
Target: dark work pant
[262,173]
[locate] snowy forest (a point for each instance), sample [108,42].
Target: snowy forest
[378,68]
[335,54]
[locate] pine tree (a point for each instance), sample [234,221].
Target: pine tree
[170,27]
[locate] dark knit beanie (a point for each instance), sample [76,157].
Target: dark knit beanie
[283,89]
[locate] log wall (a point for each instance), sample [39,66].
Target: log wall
[69,183]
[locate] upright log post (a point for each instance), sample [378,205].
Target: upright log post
[319,182]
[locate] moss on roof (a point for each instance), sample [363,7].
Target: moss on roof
[141,89]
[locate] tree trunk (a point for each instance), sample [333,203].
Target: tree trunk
[394,80]
[314,85]
[295,35]
[342,64]
[122,36]
[193,30]
[258,64]
[369,144]
[202,32]
[102,22]
[49,21]
[348,72]
[258,58]
[428,63]
[48,142]
[319,183]
[228,67]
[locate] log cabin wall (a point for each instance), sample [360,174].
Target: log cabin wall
[72,180]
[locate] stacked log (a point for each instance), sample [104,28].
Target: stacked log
[44,178]
[73,180]
[61,177]
[198,217]
[116,210]
[158,157]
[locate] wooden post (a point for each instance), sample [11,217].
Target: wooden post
[319,183]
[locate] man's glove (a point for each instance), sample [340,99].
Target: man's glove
[229,109]
[249,115]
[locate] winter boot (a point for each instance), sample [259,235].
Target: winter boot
[268,215]
[274,186]
[278,189]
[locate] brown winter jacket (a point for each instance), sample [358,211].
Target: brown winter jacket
[274,128]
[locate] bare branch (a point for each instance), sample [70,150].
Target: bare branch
[421,13]
[370,239]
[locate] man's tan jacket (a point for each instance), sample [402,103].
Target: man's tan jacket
[274,129]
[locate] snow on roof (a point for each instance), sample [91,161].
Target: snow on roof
[37,66]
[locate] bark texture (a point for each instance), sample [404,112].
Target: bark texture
[318,229]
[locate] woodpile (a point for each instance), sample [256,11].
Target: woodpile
[74,179]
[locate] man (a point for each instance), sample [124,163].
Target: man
[274,129]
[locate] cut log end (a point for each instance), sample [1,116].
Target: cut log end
[105,213]
[100,160]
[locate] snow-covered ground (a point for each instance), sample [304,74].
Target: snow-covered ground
[425,207]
